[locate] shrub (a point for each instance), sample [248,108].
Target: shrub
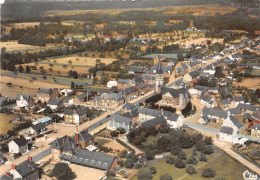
[208,149]
[169,159]
[203,157]
[145,176]
[129,163]
[192,160]
[114,133]
[152,170]
[62,171]
[137,165]
[121,130]
[208,140]
[175,150]
[182,155]
[190,170]
[179,163]
[208,173]
[121,163]
[123,154]
[165,177]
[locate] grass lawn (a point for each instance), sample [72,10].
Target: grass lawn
[4,123]
[219,161]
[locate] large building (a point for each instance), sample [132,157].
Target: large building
[158,77]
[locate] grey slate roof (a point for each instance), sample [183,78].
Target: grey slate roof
[138,79]
[248,107]
[121,119]
[226,130]
[46,90]
[20,141]
[54,102]
[129,90]
[26,168]
[215,112]
[172,117]
[256,126]
[90,159]
[128,106]
[235,111]
[125,81]
[80,112]
[38,126]
[150,112]
[153,122]
[84,95]
[236,122]
[135,69]
[176,92]
[25,96]
[195,73]
[206,98]
[84,136]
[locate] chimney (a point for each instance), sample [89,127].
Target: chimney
[77,137]
[8,173]
[86,130]
[13,166]
[30,158]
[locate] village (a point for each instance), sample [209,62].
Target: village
[130,107]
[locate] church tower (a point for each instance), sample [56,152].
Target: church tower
[158,77]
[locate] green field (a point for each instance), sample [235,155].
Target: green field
[224,165]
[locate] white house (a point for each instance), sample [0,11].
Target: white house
[111,84]
[175,121]
[226,134]
[54,104]
[66,92]
[233,122]
[24,101]
[208,101]
[18,145]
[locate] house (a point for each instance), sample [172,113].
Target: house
[233,122]
[183,69]
[24,101]
[255,130]
[190,76]
[232,102]
[55,104]
[145,114]
[144,88]
[155,122]
[247,108]
[194,66]
[75,116]
[111,84]
[18,145]
[216,115]
[125,83]
[27,170]
[66,92]
[84,97]
[128,107]
[45,94]
[135,70]
[130,93]
[65,149]
[208,101]
[2,159]
[174,97]
[226,134]
[37,129]
[175,121]
[46,120]
[148,79]
[119,121]
[234,111]
[83,139]
[108,100]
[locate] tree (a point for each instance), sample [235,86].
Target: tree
[114,133]
[69,62]
[190,170]
[192,160]
[169,159]
[27,69]
[179,163]
[72,85]
[145,176]
[166,177]
[121,163]
[182,155]
[20,69]
[152,170]
[208,140]
[175,149]
[121,130]
[203,157]
[208,149]
[129,163]
[208,173]
[218,72]
[62,171]
[194,151]
[180,56]
[75,75]
[123,154]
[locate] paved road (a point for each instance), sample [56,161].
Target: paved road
[41,155]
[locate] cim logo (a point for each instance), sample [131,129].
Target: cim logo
[250,176]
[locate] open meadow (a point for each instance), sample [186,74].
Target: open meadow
[4,123]
[249,82]
[14,90]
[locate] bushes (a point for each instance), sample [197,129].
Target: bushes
[121,130]
[123,154]
[190,170]
[124,144]
[192,160]
[208,149]
[165,177]
[152,170]
[129,163]
[145,176]
[203,157]
[182,155]
[179,163]
[114,133]
[208,173]
[169,159]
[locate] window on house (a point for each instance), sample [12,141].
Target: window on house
[92,162]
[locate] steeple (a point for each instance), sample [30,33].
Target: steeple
[159,68]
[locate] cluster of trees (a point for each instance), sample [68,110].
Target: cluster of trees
[203,81]
[130,160]
[170,140]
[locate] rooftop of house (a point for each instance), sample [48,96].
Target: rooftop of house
[20,141]
[236,122]
[89,158]
[175,92]
[84,136]
[226,130]
[248,107]
[215,112]
[46,90]
[38,126]
[26,167]
[129,106]
[111,96]
[120,119]
[256,126]
[150,112]
[126,81]
[25,97]
[78,112]
[129,90]
[84,95]
[136,69]
[172,117]
[153,122]
[54,102]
